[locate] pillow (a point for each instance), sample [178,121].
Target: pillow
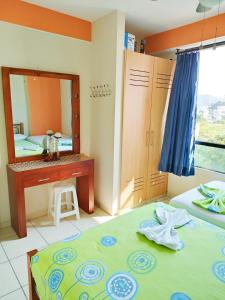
[19,137]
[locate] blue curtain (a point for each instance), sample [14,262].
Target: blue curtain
[177,155]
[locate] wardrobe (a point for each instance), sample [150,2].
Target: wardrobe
[147,86]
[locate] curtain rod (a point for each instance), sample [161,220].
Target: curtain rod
[218,44]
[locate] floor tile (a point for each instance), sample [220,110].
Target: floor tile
[52,233]
[8,281]
[26,290]
[16,247]
[88,221]
[3,257]
[17,295]
[102,219]
[84,223]
[6,232]
[19,265]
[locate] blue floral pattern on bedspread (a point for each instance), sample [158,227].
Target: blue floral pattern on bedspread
[114,262]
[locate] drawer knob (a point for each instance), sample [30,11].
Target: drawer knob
[76,173]
[44,179]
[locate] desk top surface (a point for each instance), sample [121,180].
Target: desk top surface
[38,164]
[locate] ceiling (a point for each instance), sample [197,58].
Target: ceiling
[143,17]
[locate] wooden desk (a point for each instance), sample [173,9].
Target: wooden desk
[33,173]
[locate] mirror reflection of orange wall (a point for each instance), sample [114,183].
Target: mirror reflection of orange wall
[44,104]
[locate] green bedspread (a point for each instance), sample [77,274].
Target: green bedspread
[214,199]
[113,261]
[21,152]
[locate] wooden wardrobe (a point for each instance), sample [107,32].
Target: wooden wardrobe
[147,86]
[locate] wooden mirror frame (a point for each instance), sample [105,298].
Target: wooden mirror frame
[75,105]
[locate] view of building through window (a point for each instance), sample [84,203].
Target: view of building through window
[211,110]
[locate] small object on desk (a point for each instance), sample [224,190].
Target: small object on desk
[49,145]
[45,145]
[56,155]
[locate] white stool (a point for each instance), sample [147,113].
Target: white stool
[56,202]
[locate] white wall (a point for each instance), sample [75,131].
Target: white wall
[27,48]
[19,101]
[107,58]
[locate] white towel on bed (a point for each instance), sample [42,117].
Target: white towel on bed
[166,234]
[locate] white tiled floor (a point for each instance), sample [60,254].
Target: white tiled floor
[15,247]
[41,232]
[19,264]
[3,257]
[8,280]
[16,295]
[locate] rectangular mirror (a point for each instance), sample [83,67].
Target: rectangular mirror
[39,102]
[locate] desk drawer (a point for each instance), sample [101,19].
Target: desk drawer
[40,178]
[74,172]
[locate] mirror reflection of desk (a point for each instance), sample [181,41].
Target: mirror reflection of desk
[37,102]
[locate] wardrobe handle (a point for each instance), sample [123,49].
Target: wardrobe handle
[151,138]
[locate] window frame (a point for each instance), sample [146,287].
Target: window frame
[214,145]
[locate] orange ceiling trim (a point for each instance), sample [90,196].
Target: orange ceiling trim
[33,16]
[188,34]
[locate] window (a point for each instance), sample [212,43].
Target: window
[210,128]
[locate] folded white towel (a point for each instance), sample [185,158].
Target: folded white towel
[165,234]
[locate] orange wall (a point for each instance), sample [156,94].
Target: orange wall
[44,104]
[26,14]
[188,34]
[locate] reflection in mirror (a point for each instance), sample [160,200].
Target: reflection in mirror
[40,104]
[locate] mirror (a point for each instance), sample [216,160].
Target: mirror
[40,102]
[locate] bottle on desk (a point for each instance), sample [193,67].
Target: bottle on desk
[48,143]
[56,154]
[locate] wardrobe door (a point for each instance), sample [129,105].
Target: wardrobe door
[162,82]
[136,123]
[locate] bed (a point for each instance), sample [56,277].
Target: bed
[113,261]
[185,201]
[24,147]
[65,143]
[33,145]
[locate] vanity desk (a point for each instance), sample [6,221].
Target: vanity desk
[32,173]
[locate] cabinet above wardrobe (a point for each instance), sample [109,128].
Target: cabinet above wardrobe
[147,86]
